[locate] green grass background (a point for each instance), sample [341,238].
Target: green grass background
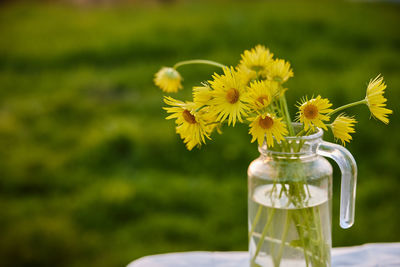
[91,174]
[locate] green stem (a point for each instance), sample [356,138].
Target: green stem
[323,256]
[301,143]
[199,61]
[287,244]
[283,240]
[301,132]
[301,236]
[364,101]
[264,233]
[253,226]
[278,107]
[287,115]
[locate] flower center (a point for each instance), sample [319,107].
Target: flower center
[278,79]
[232,96]
[266,123]
[188,117]
[257,68]
[310,112]
[264,99]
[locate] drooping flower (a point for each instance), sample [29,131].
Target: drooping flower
[191,125]
[168,79]
[228,97]
[261,93]
[202,95]
[313,112]
[267,126]
[279,71]
[376,101]
[342,127]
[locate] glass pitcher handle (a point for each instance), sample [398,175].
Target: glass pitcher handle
[348,167]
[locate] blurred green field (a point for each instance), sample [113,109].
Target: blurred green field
[91,174]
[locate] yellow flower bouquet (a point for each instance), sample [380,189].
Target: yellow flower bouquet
[290,183]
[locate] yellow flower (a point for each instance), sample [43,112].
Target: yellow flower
[267,125]
[202,95]
[257,59]
[279,71]
[191,125]
[376,101]
[245,74]
[311,112]
[261,93]
[342,126]
[211,119]
[228,97]
[168,79]
[254,64]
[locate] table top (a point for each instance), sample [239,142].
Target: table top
[368,255]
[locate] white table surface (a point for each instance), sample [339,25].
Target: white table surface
[368,255]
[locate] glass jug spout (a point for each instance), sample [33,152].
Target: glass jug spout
[348,167]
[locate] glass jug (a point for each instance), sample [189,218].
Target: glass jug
[289,194]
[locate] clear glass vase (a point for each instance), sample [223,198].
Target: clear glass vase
[289,194]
